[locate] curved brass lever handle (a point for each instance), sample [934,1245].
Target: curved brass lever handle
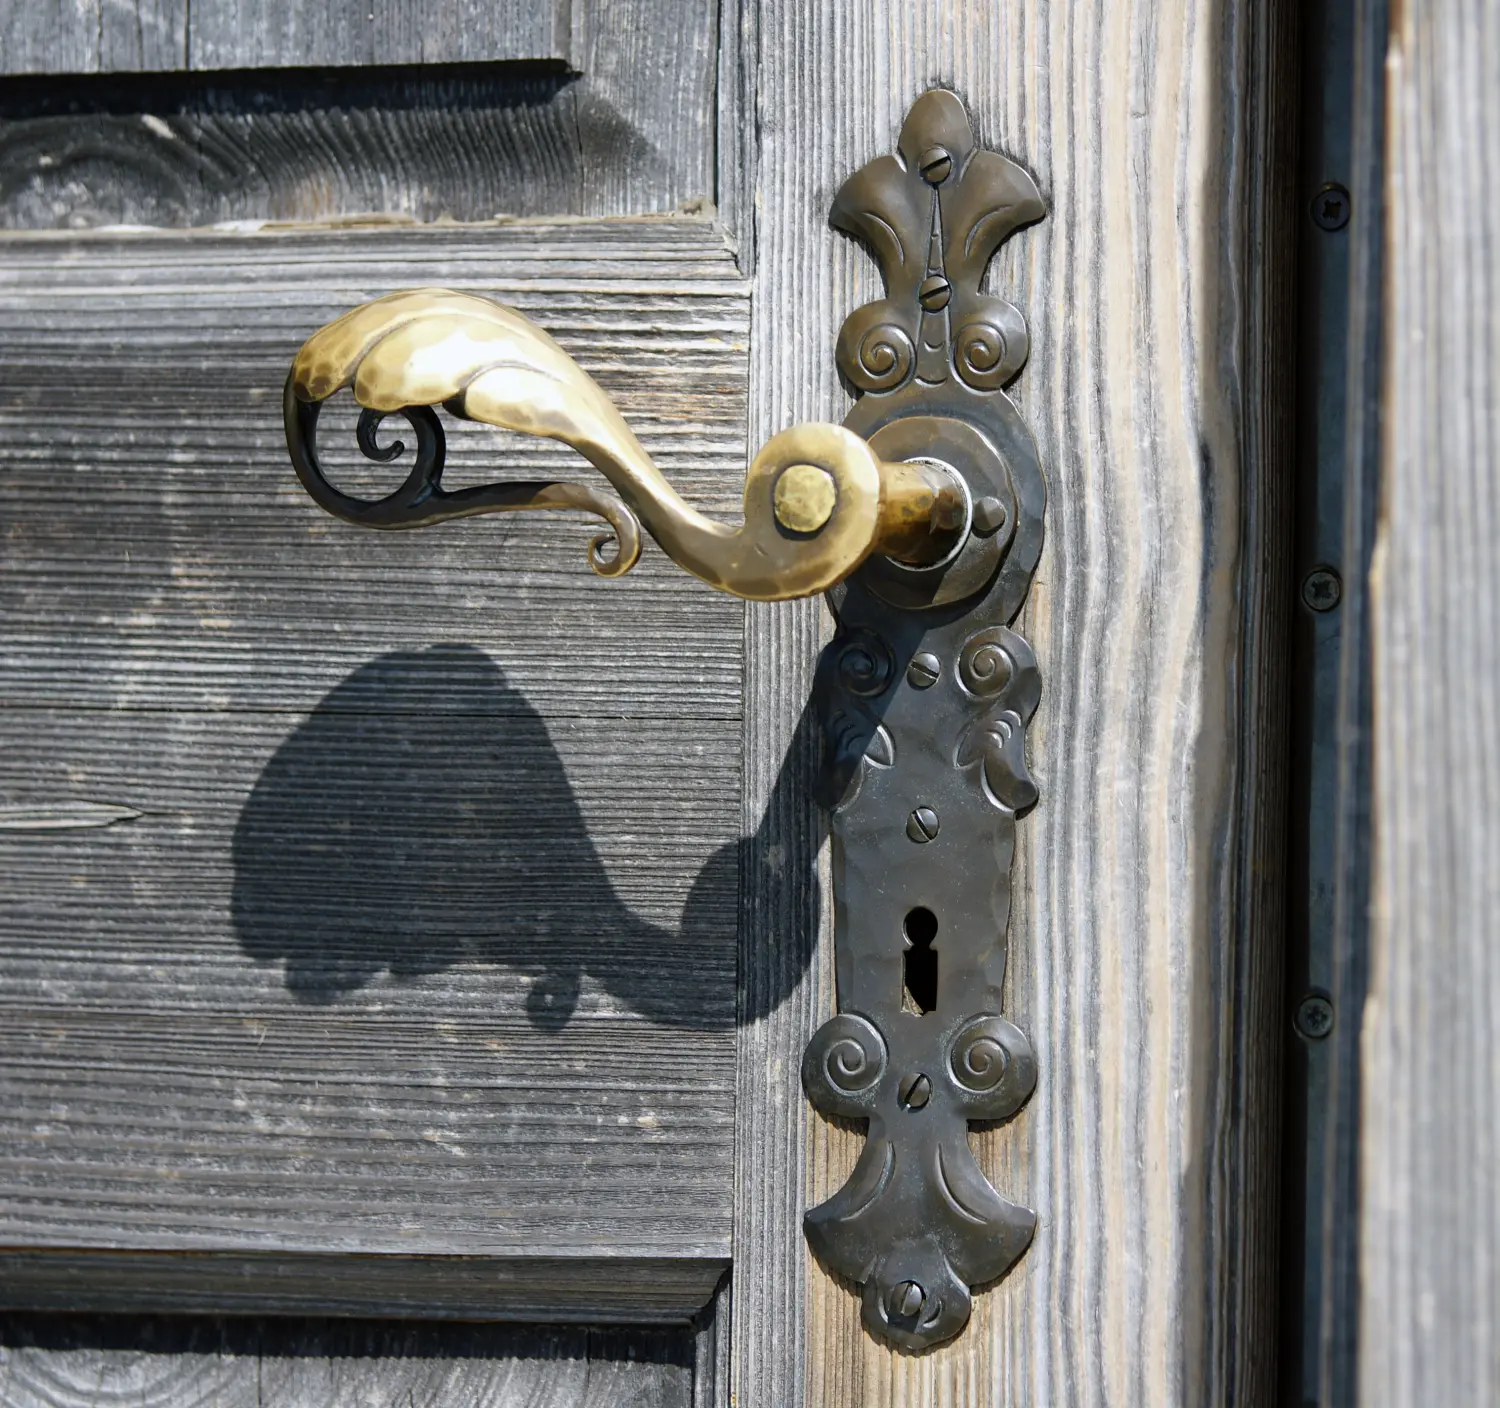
[818,501]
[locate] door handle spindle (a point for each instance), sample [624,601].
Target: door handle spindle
[818,501]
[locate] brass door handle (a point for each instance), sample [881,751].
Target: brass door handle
[818,501]
[925,511]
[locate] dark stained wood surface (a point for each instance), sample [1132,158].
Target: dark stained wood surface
[1145,938]
[669,1290]
[85,1362]
[413,928]
[626,126]
[188,151]
[1329,1351]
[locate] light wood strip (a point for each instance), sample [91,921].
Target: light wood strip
[1145,937]
[1429,1244]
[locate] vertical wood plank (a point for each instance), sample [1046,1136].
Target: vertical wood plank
[1430,1232]
[1145,961]
[286,34]
[1336,1346]
[141,34]
[92,36]
[646,104]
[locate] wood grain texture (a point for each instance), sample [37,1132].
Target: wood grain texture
[115,36]
[92,36]
[422,939]
[632,133]
[1144,942]
[1430,1084]
[1337,1344]
[284,34]
[413,144]
[606,1288]
[79,1362]
[711,1349]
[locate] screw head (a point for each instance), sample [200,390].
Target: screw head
[1330,207]
[936,165]
[804,497]
[922,825]
[989,516]
[906,1300]
[924,670]
[1314,1016]
[914,1092]
[934,292]
[1321,589]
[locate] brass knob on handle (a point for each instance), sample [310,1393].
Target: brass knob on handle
[818,501]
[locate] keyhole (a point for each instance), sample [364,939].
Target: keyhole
[921,968]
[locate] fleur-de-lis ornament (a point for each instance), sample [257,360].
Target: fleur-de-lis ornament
[934,216]
[925,693]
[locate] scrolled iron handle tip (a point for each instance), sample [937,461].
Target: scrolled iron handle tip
[818,501]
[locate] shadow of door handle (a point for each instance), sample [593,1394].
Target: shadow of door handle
[923,518]
[818,501]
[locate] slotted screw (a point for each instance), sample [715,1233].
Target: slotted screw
[914,1092]
[922,825]
[924,670]
[935,164]
[906,1301]
[934,292]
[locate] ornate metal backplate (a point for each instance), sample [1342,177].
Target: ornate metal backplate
[925,693]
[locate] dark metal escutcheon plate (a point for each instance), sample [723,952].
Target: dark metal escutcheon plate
[924,694]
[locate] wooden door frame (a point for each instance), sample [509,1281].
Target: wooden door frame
[1146,939]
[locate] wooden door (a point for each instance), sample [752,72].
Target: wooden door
[406,932]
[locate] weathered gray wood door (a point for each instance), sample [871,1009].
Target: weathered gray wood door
[420,928]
